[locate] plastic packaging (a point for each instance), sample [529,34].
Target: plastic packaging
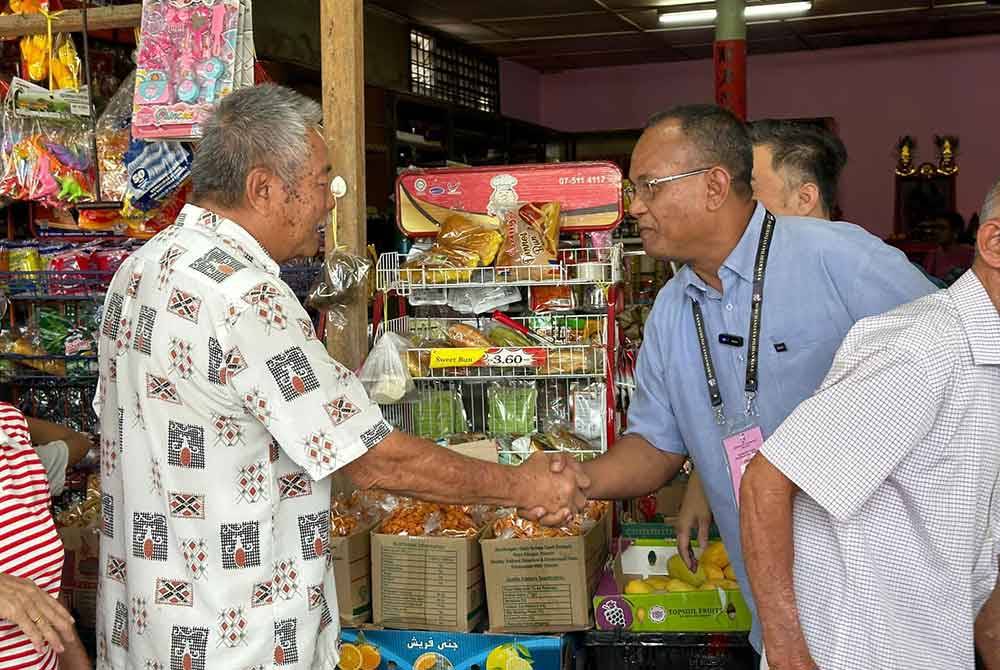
[460,246]
[113,136]
[156,170]
[512,408]
[385,375]
[546,299]
[531,238]
[342,282]
[482,300]
[438,412]
[420,518]
[463,335]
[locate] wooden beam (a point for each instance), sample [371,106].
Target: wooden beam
[343,71]
[71,21]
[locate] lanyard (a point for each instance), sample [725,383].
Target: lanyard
[753,341]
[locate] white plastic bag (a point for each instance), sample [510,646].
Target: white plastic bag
[384,374]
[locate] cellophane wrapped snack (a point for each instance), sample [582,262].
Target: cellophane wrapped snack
[418,519]
[511,526]
[461,245]
[530,241]
[348,513]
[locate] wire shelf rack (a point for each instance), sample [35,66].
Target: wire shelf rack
[576,266]
[506,411]
[578,349]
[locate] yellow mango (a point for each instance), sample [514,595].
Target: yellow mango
[637,586]
[712,572]
[678,570]
[658,582]
[715,554]
[679,586]
[729,573]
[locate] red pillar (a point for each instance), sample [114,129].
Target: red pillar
[730,56]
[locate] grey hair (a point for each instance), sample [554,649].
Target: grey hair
[261,126]
[991,205]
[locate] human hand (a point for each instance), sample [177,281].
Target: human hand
[558,493]
[799,661]
[694,513]
[39,616]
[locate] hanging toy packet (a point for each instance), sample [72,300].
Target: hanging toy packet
[186,62]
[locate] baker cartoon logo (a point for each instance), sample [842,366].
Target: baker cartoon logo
[504,196]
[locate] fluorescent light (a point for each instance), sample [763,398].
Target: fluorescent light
[708,16]
[683,18]
[774,11]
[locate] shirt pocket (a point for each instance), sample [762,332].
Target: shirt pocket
[799,362]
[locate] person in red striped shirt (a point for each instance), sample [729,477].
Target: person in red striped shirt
[36,632]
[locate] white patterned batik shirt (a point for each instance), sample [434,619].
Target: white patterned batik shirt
[897,527]
[221,417]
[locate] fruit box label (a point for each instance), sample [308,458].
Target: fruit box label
[420,650]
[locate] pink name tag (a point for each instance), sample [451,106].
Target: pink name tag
[740,448]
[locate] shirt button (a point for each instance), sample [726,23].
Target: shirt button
[741,359]
[729,307]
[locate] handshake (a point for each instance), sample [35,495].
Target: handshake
[551,488]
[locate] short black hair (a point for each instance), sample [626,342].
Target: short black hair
[809,152]
[719,135]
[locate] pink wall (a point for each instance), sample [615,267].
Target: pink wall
[876,94]
[520,92]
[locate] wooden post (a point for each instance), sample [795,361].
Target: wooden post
[71,20]
[343,68]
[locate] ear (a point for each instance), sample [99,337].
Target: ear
[262,189]
[988,243]
[807,200]
[719,184]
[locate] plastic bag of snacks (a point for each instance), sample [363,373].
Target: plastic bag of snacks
[113,135]
[511,526]
[530,241]
[460,246]
[344,281]
[421,518]
[348,513]
[512,408]
[439,412]
[385,375]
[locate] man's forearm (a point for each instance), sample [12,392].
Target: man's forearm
[988,631]
[632,467]
[766,498]
[418,468]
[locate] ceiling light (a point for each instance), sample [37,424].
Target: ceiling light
[708,16]
[778,10]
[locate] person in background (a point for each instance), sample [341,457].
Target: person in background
[871,517]
[223,417]
[691,169]
[59,448]
[796,170]
[796,167]
[952,257]
[36,631]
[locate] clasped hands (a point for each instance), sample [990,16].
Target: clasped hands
[553,488]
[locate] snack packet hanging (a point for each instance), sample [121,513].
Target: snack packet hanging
[113,135]
[385,375]
[530,241]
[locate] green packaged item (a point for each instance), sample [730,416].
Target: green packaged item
[53,327]
[438,413]
[512,408]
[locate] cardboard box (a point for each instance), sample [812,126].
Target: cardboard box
[718,611]
[351,562]
[430,583]
[80,572]
[406,649]
[544,584]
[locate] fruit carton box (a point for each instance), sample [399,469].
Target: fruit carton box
[430,583]
[351,562]
[378,649]
[715,611]
[544,584]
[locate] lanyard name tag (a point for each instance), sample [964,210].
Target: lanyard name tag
[741,445]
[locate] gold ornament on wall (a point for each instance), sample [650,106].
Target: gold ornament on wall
[906,148]
[947,146]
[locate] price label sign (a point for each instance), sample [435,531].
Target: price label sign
[507,357]
[514,358]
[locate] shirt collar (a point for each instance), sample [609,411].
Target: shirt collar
[234,236]
[979,317]
[741,259]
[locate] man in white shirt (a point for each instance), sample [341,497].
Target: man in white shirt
[222,417]
[871,518]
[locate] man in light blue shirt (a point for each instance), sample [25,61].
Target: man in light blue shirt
[691,169]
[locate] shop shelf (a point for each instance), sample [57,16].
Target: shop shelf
[568,358]
[615,650]
[576,266]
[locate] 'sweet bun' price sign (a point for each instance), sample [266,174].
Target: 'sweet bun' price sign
[505,357]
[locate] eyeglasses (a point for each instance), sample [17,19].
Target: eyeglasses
[645,190]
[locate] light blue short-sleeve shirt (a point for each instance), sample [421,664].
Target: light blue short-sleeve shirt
[821,278]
